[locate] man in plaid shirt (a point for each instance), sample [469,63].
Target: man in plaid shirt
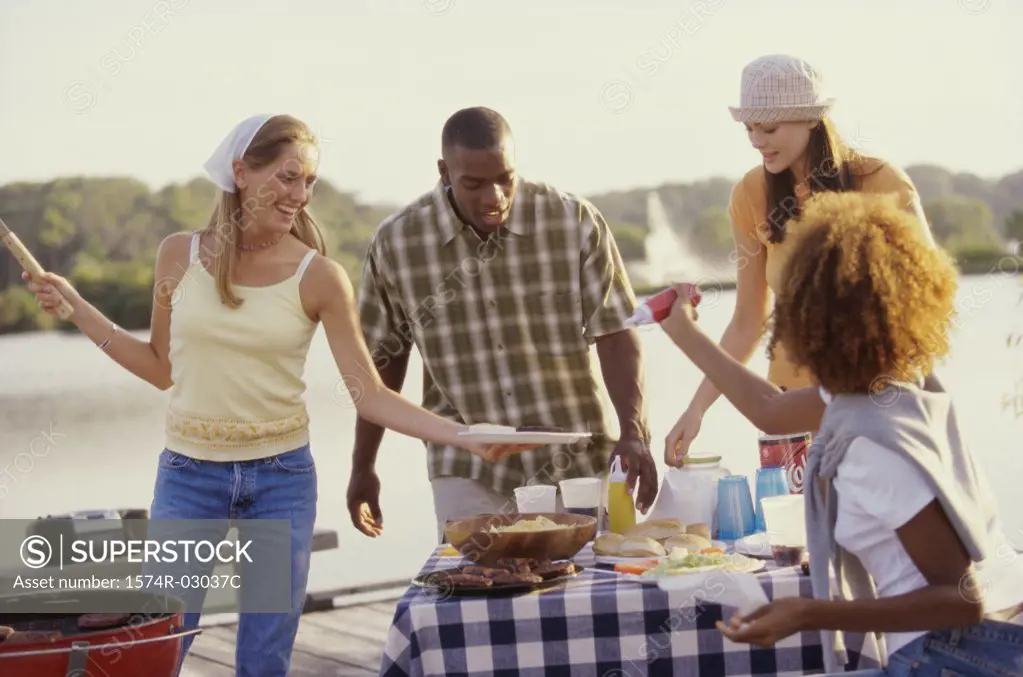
[502,284]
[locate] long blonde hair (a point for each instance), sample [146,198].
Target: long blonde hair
[225,223]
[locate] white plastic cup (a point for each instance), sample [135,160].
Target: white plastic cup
[581,492]
[784,517]
[536,498]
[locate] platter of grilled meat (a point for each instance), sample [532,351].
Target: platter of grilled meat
[505,575]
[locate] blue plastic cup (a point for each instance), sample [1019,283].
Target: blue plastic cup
[769,482]
[736,517]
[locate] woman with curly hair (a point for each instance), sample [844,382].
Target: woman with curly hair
[787,120]
[894,500]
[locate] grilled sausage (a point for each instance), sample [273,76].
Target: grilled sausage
[33,636]
[518,565]
[509,578]
[467,581]
[552,570]
[98,621]
[487,572]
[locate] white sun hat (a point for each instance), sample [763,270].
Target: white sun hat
[780,88]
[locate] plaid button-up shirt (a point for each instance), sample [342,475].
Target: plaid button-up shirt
[503,324]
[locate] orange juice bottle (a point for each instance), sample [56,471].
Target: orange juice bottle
[621,511]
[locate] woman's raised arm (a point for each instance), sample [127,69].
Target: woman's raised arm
[769,408]
[146,359]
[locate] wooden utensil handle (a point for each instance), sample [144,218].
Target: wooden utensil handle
[29,263]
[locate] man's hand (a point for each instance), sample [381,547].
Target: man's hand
[639,464]
[364,502]
[621,366]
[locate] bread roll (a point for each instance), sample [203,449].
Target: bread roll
[700,529]
[657,529]
[608,544]
[640,546]
[690,542]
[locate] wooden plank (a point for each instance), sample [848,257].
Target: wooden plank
[308,665]
[216,645]
[322,600]
[324,539]
[375,635]
[198,667]
[387,608]
[345,648]
[360,621]
[300,669]
[317,652]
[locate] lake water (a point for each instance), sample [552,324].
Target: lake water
[106,429]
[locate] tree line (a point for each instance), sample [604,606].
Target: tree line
[102,233]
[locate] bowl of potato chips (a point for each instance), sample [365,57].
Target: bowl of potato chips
[540,536]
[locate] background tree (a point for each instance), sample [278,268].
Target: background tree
[102,233]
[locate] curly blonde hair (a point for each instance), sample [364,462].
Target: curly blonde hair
[865,299]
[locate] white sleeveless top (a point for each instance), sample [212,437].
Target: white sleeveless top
[879,490]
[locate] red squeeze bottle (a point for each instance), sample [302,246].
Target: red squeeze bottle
[658,307]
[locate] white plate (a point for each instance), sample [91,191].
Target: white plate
[690,571]
[754,545]
[735,563]
[734,589]
[634,578]
[612,559]
[523,437]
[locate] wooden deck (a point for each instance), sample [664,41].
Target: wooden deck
[339,642]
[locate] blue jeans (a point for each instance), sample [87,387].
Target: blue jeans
[279,487]
[988,649]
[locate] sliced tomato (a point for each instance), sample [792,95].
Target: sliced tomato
[639,567]
[623,568]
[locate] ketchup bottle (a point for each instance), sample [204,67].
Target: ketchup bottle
[658,307]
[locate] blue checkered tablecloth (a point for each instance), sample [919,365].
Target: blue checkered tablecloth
[598,624]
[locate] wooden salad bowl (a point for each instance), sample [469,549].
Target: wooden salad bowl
[475,540]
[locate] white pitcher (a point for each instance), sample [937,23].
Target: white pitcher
[690,493]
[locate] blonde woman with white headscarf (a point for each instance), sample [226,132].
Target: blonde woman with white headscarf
[235,307]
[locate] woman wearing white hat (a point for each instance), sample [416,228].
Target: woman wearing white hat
[235,308]
[786,117]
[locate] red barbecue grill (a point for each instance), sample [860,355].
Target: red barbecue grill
[71,644]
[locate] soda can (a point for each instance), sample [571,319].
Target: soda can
[789,452]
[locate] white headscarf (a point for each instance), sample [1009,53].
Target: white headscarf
[233,147]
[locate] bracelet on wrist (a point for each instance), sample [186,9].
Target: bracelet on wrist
[113,332]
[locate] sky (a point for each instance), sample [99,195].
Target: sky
[600,94]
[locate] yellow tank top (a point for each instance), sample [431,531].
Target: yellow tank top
[238,388]
[748,210]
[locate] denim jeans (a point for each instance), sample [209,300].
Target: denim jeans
[988,649]
[279,487]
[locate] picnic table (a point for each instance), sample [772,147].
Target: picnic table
[597,624]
